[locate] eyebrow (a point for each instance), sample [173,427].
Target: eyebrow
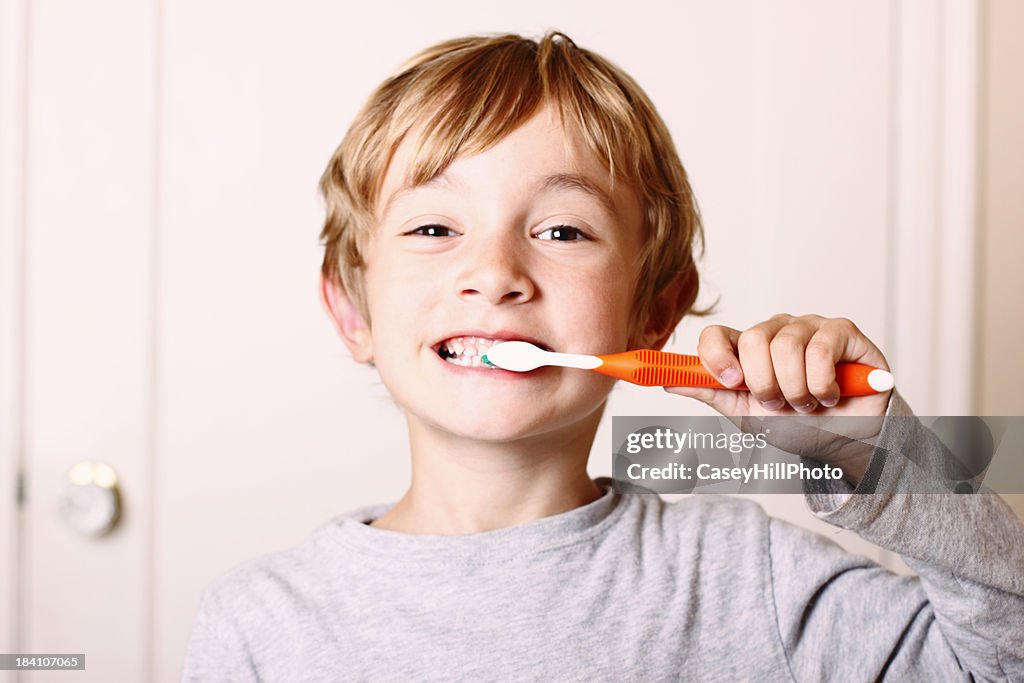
[560,182]
[406,188]
[578,183]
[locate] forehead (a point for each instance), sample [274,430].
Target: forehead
[542,154]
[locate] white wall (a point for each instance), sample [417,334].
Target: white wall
[1000,361]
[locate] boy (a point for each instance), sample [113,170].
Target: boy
[501,188]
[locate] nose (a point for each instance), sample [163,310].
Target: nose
[495,273]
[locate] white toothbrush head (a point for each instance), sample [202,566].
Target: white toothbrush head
[517,356]
[520,356]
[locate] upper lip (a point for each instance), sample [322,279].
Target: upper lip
[504,335]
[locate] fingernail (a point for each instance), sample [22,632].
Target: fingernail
[730,376]
[773,404]
[806,407]
[828,403]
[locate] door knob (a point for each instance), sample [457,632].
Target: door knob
[91,502]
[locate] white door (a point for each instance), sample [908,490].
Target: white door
[82,79]
[169,220]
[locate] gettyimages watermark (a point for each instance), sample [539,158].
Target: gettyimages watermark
[811,454]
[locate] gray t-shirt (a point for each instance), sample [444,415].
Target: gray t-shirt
[632,588]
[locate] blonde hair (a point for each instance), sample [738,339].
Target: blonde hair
[468,94]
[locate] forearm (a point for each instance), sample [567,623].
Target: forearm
[967,549]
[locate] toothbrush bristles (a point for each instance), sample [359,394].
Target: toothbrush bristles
[487,362]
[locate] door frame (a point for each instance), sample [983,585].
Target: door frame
[13,98]
[933,227]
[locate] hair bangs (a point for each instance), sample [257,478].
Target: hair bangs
[477,98]
[471,106]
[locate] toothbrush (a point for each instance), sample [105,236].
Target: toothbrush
[651,368]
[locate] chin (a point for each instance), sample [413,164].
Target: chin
[491,428]
[503,425]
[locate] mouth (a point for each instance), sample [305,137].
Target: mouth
[467,350]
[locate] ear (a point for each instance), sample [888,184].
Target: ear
[669,307]
[346,318]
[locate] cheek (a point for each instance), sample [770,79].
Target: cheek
[598,305]
[401,302]
[395,287]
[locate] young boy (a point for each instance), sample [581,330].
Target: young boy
[502,188]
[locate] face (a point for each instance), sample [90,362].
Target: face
[523,241]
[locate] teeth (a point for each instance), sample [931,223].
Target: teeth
[467,361]
[467,351]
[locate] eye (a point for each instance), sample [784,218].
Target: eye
[432,230]
[562,233]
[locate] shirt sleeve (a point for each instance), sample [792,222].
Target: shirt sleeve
[216,650]
[843,617]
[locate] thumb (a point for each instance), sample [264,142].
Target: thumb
[719,399]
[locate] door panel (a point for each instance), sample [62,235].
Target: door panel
[88,326]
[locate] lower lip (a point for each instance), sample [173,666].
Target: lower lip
[483,370]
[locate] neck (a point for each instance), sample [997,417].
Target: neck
[463,486]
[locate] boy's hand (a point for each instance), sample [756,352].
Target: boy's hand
[788,363]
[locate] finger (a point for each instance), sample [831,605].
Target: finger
[756,360]
[788,358]
[716,348]
[857,348]
[823,352]
[837,339]
[702,394]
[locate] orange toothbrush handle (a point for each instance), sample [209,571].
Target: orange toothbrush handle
[663,369]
